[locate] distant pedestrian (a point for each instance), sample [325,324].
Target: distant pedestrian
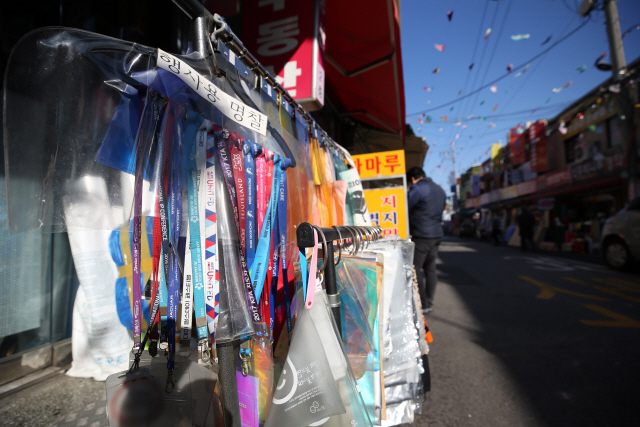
[496,230]
[526,222]
[426,204]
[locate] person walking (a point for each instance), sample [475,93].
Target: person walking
[526,222]
[496,230]
[427,201]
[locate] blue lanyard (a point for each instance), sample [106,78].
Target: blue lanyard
[259,267]
[193,124]
[282,228]
[303,269]
[250,151]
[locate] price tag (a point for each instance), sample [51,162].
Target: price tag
[228,105]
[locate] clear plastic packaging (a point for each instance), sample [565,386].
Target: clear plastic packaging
[84,90]
[234,319]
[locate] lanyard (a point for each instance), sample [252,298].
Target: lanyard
[303,269]
[212,284]
[261,205]
[223,158]
[260,264]
[251,150]
[235,145]
[282,228]
[187,290]
[173,280]
[190,150]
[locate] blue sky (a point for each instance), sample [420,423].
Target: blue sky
[424,23]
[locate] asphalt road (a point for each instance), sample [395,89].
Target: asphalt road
[525,339]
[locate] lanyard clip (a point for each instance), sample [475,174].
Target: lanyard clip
[245,356]
[204,351]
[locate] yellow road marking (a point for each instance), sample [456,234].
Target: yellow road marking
[619,321]
[620,284]
[603,289]
[548,291]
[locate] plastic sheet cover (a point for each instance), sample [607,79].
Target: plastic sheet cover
[75,103]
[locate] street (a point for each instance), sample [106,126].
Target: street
[525,339]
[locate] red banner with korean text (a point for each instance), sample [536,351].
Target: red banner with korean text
[538,146]
[288,38]
[517,155]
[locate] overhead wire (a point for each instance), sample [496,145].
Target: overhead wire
[446,104]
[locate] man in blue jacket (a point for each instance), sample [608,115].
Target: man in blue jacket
[426,204]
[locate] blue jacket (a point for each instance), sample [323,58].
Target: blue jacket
[426,203]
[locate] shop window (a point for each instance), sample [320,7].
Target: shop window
[570,149]
[615,132]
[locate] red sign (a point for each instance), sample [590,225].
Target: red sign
[288,38]
[560,177]
[538,141]
[516,143]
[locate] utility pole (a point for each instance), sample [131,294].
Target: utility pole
[623,97]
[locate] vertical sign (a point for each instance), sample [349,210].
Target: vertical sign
[517,153]
[288,38]
[538,141]
[387,207]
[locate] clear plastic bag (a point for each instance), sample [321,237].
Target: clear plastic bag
[84,90]
[234,319]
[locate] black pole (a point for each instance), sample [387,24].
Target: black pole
[332,286]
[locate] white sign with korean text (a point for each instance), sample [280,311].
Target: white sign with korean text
[228,105]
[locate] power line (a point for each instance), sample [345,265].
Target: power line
[575,30]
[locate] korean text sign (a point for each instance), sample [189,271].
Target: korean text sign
[228,105]
[387,208]
[385,163]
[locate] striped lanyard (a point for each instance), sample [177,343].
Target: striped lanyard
[227,172]
[235,144]
[211,263]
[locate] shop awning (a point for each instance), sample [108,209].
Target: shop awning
[364,64]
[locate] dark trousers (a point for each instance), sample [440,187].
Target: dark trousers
[496,234]
[424,260]
[526,239]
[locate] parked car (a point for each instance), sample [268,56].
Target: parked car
[621,237]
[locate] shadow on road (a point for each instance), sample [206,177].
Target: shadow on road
[561,335]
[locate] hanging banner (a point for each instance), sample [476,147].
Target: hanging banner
[538,146]
[388,209]
[385,163]
[288,38]
[496,157]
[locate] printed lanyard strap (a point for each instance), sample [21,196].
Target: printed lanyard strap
[212,284]
[251,150]
[282,228]
[223,158]
[235,145]
[190,150]
[260,264]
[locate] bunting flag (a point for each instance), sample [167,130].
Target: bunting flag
[471,67]
[458,123]
[519,37]
[427,88]
[436,71]
[439,47]
[486,33]
[428,119]
[450,15]
[444,118]
[526,67]
[495,107]
[459,92]
[547,40]
[581,69]
[492,125]
[509,68]
[494,88]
